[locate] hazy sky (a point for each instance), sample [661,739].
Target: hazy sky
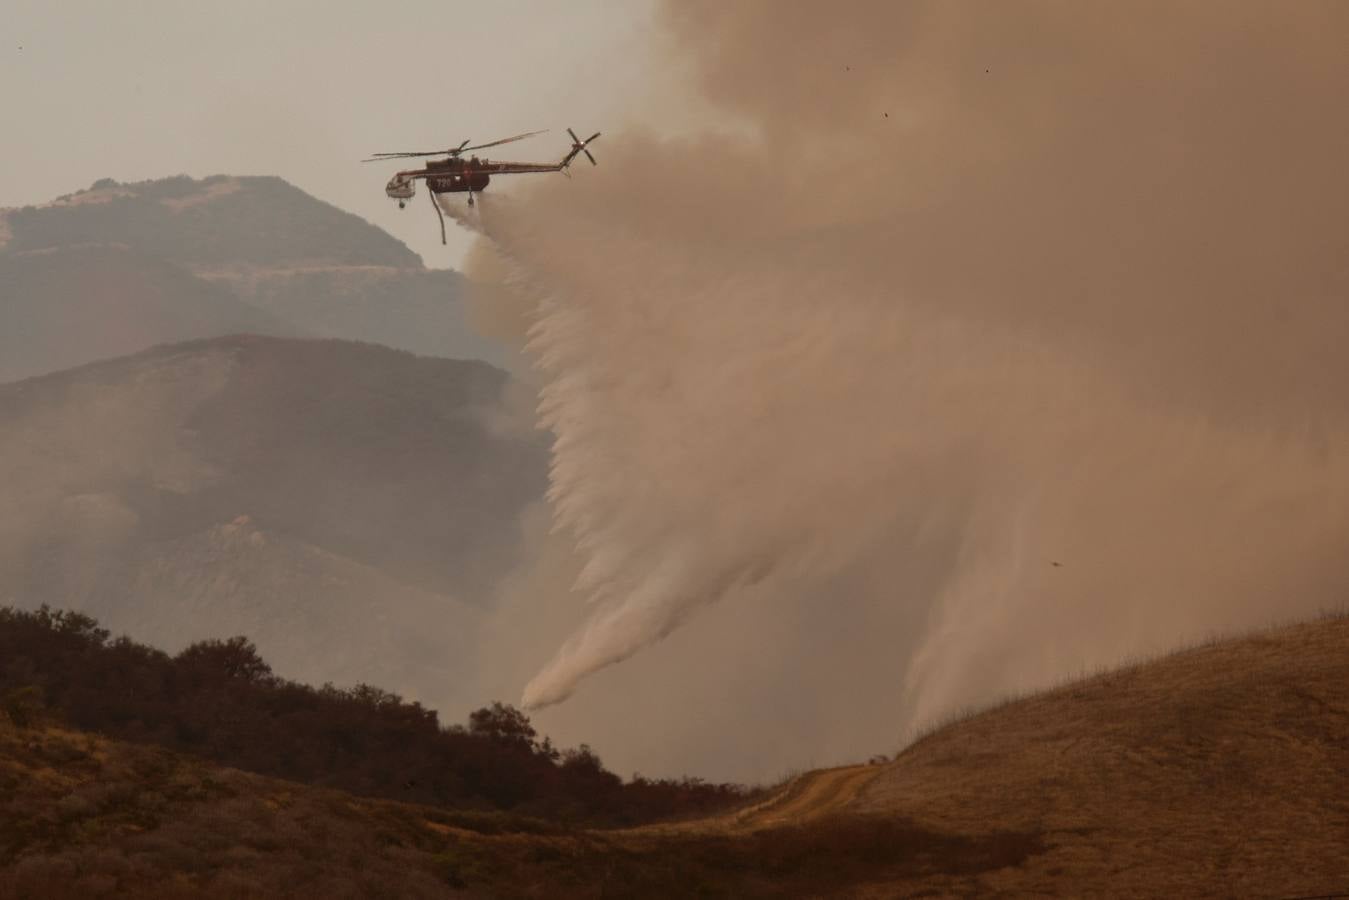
[1019,401]
[147,88]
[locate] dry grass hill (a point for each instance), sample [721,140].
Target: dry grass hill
[1220,771]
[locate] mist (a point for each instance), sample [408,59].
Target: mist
[991,345]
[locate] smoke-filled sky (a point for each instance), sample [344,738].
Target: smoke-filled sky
[991,343]
[1006,342]
[302,89]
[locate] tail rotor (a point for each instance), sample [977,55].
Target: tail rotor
[579,146]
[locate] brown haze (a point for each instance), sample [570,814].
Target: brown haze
[1004,341]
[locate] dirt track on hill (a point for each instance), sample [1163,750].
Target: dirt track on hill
[809,796]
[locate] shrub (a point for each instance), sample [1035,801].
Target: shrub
[219,699]
[23,705]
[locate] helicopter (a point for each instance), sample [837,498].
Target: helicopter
[456,175]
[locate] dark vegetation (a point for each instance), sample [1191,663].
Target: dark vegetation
[824,857]
[220,700]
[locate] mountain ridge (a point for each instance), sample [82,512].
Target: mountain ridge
[351,504]
[200,222]
[94,274]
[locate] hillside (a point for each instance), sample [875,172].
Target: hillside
[82,816]
[119,267]
[85,816]
[213,221]
[1221,771]
[418,310]
[345,504]
[66,306]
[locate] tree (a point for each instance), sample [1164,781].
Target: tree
[503,723]
[232,658]
[582,760]
[72,623]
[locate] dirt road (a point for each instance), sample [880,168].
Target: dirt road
[809,796]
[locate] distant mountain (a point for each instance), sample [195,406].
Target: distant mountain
[98,272]
[261,221]
[345,504]
[411,309]
[65,306]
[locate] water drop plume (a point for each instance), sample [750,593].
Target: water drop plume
[1028,319]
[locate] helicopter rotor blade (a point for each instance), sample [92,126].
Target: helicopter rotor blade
[403,154]
[450,151]
[378,156]
[518,137]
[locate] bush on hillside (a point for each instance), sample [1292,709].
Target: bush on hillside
[220,700]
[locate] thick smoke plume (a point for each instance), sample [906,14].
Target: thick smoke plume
[1016,330]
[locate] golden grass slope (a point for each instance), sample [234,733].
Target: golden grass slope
[1219,771]
[81,816]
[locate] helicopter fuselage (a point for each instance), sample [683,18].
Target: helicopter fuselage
[450,176]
